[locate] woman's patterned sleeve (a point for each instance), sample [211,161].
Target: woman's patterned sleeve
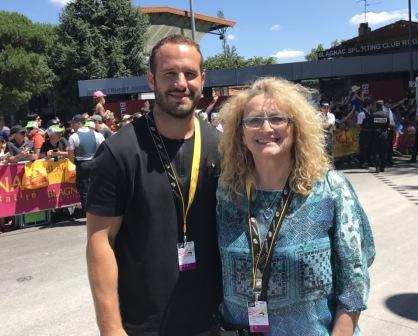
[353,248]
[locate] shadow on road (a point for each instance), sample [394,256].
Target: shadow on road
[405,305]
[401,166]
[63,224]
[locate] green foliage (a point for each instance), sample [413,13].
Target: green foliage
[313,55]
[335,43]
[96,39]
[231,60]
[24,70]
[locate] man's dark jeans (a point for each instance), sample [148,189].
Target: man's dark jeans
[83,169]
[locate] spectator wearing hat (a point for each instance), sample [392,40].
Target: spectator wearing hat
[100,126]
[99,101]
[90,124]
[19,147]
[56,145]
[356,98]
[82,146]
[328,122]
[35,118]
[126,119]
[35,135]
[53,121]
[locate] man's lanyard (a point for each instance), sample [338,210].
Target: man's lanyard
[171,174]
[262,250]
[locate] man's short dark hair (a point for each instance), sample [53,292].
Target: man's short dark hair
[174,39]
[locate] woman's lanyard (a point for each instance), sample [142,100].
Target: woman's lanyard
[171,174]
[262,250]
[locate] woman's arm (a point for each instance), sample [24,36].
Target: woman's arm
[352,254]
[345,323]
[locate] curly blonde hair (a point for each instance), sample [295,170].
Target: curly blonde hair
[310,159]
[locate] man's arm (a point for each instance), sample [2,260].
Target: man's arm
[70,153]
[103,272]
[345,323]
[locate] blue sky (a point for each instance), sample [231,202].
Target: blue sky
[286,29]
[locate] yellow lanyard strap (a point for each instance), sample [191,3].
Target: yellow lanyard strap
[197,150]
[171,173]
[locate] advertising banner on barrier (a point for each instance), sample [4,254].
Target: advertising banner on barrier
[36,186]
[345,141]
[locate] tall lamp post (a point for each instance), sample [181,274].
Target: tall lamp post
[192,20]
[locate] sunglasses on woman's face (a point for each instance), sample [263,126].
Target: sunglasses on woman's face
[275,121]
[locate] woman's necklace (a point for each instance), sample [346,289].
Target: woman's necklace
[268,210]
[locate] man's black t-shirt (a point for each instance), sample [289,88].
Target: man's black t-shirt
[129,180]
[107,133]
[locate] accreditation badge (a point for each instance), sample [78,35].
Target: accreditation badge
[258,317]
[187,256]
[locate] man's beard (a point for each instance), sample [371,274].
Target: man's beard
[174,110]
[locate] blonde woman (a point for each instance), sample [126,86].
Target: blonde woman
[294,241]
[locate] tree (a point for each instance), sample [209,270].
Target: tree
[335,43]
[229,59]
[24,70]
[313,55]
[96,39]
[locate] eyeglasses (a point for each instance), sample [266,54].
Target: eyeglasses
[275,121]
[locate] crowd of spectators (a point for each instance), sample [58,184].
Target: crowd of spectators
[349,112]
[37,139]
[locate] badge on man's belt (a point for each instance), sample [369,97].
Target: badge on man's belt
[187,256]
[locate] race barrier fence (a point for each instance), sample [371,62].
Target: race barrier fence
[35,186]
[346,141]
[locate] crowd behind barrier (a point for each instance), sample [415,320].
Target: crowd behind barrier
[44,151]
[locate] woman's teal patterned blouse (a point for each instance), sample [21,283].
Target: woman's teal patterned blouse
[320,260]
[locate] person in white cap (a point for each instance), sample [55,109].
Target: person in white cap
[99,100]
[126,119]
[82,146]
[56,145]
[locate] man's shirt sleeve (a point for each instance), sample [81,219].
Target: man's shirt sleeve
[107,194]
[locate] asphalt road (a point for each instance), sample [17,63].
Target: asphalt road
[44,289]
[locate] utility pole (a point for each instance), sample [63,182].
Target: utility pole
[411,59]
[222,32]
[366,5]
[192,20]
